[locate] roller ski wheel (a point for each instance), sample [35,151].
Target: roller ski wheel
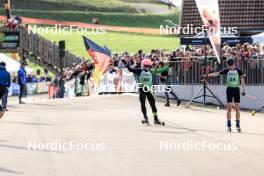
[238,130]
[2,113]
[229,130]
[167,105]
[159,123]
[179,103]
[145,122]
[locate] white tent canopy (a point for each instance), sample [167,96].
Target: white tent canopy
[12,65]
[258,38]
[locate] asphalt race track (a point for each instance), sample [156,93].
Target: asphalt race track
[107,138]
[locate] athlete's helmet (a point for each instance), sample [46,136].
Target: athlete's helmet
[147,62]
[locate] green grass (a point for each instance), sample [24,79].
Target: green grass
[115,19]
[95,3]
[117,42]
[110,12]
[141,1]
[91,5]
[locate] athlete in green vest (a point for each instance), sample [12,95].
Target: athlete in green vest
[235,78]
[146,75]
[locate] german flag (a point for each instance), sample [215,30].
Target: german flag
[101,58]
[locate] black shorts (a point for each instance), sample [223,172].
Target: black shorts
[233,94]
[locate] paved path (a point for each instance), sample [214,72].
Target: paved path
[118,145]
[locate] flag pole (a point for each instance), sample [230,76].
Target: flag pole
[7,9]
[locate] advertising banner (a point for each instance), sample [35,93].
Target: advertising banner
[14,89]
[70,88]
[9,40]
[107,83]
[128,81]
[31,88]
[43,87]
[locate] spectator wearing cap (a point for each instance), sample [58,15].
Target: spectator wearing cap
[22,81]
[5,81]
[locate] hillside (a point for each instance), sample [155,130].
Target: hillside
[113,19]
[82,5]
[128,13]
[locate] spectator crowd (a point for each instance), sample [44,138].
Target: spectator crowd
[252,53]
[245,52]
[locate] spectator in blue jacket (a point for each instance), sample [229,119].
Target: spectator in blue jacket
[5,81]
[22,81]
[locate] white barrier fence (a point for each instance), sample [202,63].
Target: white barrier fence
[111,82]
[186,92]
[125,81]
[32,88]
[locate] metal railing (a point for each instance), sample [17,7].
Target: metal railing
[39,50]
[46,51]
[190,70]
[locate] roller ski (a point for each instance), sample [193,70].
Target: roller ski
[238,126]
[145,122]
[238,129]
[229,130]
[229,126]
[179,103]
[167,105]
[2,113]
[158,122]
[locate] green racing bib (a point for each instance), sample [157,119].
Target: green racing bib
[233,79]
[145,79]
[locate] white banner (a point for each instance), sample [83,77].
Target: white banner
[128,81]
[14,89]
[43,87]
[70,88]
[31,88]
[107,83]
[111,82]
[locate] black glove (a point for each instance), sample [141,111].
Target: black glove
[204,76]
